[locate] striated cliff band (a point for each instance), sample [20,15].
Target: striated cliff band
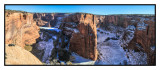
[79,39]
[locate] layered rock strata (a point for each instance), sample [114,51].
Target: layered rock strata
[20,28]
[83,34]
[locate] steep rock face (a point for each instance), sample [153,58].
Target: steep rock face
[48,19]
[83,34]
[111,19]
[145,37]
[49,41]
[98,19]
[43,19]
[116,20]
[20,29]
[16,55]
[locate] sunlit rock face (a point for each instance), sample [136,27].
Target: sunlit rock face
[83,35]
[20,28]
[49,19]
[84,38]
[16,55]
[43,19]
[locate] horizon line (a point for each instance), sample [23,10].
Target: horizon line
[77,12]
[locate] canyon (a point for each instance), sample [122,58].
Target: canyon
[83,38]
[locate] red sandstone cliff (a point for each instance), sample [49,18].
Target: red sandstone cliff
[146,38]
[20,28]
[47,19]
[43,19]
[83,41]
[117,20]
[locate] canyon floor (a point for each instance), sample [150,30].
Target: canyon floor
[79,39]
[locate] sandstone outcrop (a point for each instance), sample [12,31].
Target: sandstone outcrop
[20,29]
[16,55]
[83,34]
[43,19]
[76,32]
[146,38]
[117,20]
[48,19]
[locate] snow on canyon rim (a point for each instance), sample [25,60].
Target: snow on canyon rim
[110,52]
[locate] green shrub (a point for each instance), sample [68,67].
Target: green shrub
[5,56]
[28,48]
[62,63]
[69,63]
[57,63]
[43,63]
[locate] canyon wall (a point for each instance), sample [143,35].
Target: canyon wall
[117,20]
[144,34]
[83,39]
[146,38]
[20,28]
[43,19]
[48,19]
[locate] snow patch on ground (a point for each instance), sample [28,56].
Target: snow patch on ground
[72,29]
[102,36]
[135,58]
[59,21]
[54,37]
[50,28]
[110,52]
[129,35]
[81,61]
[47,47]
[153,48]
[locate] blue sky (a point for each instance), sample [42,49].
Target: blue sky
[94,9]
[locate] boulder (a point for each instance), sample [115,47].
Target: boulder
[18,56]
